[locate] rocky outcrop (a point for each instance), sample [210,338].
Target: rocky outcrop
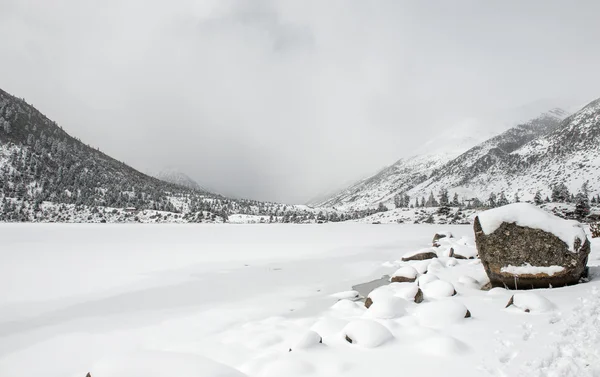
[510,245]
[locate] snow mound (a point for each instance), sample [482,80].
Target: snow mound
[465,251]
[407,291]
[347,308]
[467,280]
[346,295]
[406,272]
[442,346]
[435,265]
[446,252]
[532,270]
[329,326]
[366,333]
[426,279]
[392,307]
[162,364]
[532,302]
[440,313]
[420,266]
[383,293]
[438,289]
[307,340]
[451,262]
[528,215]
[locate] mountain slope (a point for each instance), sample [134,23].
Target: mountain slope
[178,178]
[399,177]
[445,154]
[47,175]
[526,159]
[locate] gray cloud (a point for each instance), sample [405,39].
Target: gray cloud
[282,100]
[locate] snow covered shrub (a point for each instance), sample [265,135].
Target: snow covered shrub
[595,229]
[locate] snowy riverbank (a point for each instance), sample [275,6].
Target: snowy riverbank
[73,295]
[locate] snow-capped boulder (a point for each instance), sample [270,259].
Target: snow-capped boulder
[307,340]
[409,292]
[406,274]
[427,278]
[530,302]
[366,333]
[391,307]
[441,313]
[422,254]
[438,289]
[438,236]
[522,246]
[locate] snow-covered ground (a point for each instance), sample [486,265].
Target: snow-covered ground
[232,300]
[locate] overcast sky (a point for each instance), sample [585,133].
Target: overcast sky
[283,100]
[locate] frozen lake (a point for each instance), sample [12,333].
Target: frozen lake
[71,295]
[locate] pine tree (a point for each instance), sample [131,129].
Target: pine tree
[582,206]
[444,200]
[517,199]
[502,201]
[537,199]
[561,194]
[492,200]
[381,207]
[455,201]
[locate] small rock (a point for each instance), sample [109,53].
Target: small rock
[420,256]
[468,314]
[368,303]
[419,296]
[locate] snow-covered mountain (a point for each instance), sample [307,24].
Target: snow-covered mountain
[446,162]
[482,169]
[568,153]
[48,175]
[176,177]
[403,175]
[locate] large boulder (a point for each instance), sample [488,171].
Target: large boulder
[522,246]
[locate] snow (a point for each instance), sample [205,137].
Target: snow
[345,295]
[161,364]
[532,270]
[366,333]
[233,299]
[528,215]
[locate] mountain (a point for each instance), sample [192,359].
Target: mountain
[475,173]
[446,161]
[178,178]
[47,175]
[399,177]
[540,158]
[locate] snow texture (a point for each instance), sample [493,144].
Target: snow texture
[532,270]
